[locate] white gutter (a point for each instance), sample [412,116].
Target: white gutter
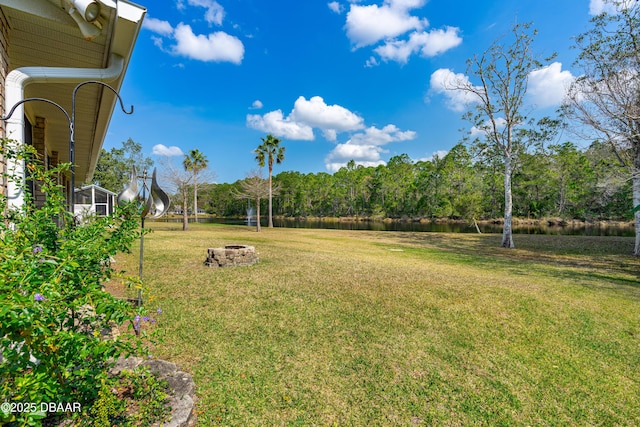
[15,83]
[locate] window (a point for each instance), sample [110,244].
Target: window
[83,197]
[101,209]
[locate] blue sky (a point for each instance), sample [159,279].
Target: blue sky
[335,80]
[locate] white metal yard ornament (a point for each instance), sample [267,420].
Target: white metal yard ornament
[155,203]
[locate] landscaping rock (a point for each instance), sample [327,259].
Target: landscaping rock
[181,388]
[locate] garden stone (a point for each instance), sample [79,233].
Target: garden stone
[181,388]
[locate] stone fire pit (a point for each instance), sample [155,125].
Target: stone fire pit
[231,256]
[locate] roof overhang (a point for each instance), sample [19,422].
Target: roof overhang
[43,33]
[97,187]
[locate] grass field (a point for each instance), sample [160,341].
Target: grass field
[383,328]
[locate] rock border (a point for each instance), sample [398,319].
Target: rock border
[182,397]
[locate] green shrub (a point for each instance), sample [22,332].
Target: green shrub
[138,389]
[54,313]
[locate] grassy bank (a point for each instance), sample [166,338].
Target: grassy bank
[382,328]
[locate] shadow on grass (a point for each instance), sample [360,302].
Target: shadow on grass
[595,260]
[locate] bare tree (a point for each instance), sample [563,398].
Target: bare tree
[503,72]
[255,187]
[606,97]
[179,180]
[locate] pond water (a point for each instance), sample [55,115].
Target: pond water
[596,229]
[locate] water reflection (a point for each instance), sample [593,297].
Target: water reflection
[596,229]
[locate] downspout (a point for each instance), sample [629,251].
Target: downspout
[15,83]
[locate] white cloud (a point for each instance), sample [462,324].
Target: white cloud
[163,150]
[157,26]
[329,118]
[275,123]
[336,7]
[366,147]
[439,154]
[548,86]
[436,42]
[487,127]
[428,44]
[365,155]
[214,13]
[378,137]
[371,62]
[446,82]
[588,91]
[367,25]
[256,105]
[306,115]
[401,33]
[395,50]
[356,152]
[406,4]
[214,47]
[596,7]
[217,47]
[158,42]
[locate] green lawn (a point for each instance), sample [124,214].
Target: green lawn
[382,328]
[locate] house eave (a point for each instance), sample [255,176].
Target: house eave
[41,35]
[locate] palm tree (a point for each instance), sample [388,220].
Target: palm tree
[268,152]
[195,161]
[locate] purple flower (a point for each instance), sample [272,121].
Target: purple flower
[38,297]
[37,249]
[159,311]
[136,319]
[146,318]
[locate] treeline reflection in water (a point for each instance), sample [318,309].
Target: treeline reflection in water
[581,229]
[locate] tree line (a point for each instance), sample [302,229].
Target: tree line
[507,164]
[559,180]
[551,181]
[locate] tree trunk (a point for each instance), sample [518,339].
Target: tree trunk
[185,212]
[195,196]
[270,197]
[258,215]
[507,236]
[635,182]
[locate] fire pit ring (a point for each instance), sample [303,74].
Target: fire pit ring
[231,256]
